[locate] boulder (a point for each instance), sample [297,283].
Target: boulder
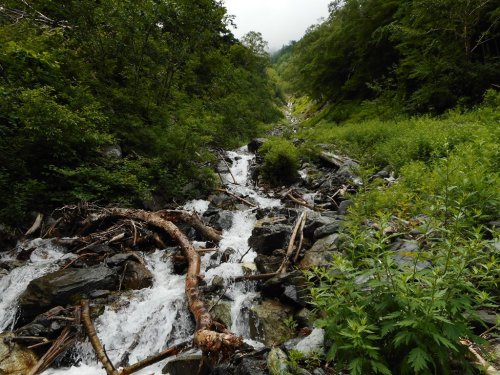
[136,276]
[221,219]
[327,229]
[320,254]
[251,366]
[266,238]
[266,322]
[277,362]
[188,363]
[312,343]
[43,325]
[113,152]
[268,263]
[290,288]
[14,359]
[119,259]
[316,220]
[64,287]
[222,312]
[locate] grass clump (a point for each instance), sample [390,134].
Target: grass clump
[280,161]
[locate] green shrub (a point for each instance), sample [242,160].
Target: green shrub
[281,161]
[387,318]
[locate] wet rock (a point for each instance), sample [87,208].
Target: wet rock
[223,257]
[64,287]
[267,322]
[119,259]
[488,317]
[14,359]
[222,312]
[268,263]
[189,363]
[321,253]
[218,282]
[290,288]
[255,144]
[327,229]
[136,276]
[223,201]
[312,343]
[221,220]
[249,268]
[277,362]
[252,366]
[43,325]
[266,238]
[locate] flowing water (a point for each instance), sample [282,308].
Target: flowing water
[144,322]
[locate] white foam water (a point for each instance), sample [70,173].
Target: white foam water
[42,260]
[147,321]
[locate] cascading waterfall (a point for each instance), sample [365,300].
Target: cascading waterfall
[144,322]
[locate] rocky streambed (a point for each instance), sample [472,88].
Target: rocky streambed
[253,244]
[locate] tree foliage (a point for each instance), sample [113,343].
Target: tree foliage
[166,80]
[431,55]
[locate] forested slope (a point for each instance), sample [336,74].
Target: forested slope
[165,81]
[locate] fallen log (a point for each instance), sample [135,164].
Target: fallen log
[303,203]
[291,245]
[205,338]
[193,220]
[242,200]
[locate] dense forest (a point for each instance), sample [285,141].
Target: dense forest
[122,101]
[414,56]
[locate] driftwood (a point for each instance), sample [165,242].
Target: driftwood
[36,225]
[193,220]
[487,367]
[291,245]
[243,200]
[302,202]
[94,340]
[205,338]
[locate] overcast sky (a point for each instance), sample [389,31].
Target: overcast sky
[279,21]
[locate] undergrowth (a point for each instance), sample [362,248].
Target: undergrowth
[420,256]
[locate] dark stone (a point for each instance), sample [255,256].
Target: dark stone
[268,263]
[290,288]
[221,220]
[255,144]
[326,230]
[222,369]
[136,276]
[266,238]
[252,366]
[343,206]
[64,287]
[224,257]
[43,325]
[315,221]
[101,249]
[186,364]
[119,259]
[223,201]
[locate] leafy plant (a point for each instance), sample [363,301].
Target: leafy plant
[281,161]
